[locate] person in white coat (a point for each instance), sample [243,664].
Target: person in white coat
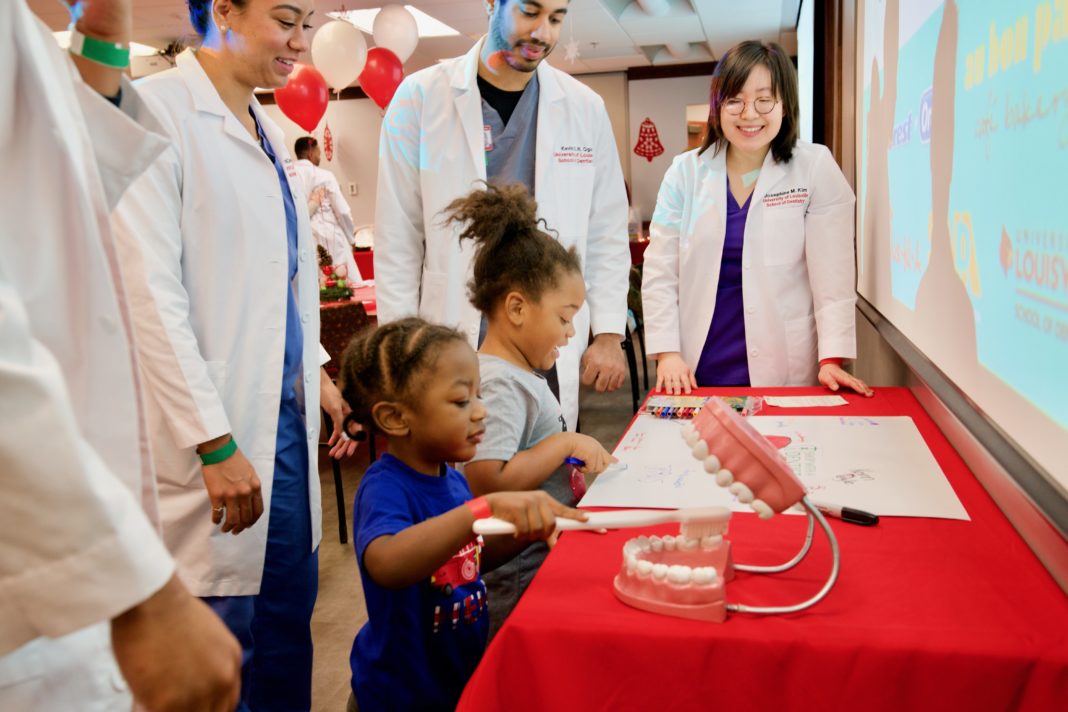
[501,113]
[749,274]
[88,594]
[331,217]
[222,273]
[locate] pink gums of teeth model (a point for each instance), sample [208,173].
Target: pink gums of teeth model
[742,460]
[685,576]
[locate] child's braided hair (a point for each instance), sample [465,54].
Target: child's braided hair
[384,363]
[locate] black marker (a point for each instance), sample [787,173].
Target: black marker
[847,514]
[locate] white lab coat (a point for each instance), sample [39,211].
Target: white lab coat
[75,479]
[204,253]
[331,224]
[431,151]
[797,262]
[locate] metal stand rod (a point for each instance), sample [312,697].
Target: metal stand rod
[836,564]
[789,564]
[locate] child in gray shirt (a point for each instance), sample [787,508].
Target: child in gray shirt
[529,287]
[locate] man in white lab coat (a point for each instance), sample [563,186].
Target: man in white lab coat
[331,217]
[78,544]
[501,113]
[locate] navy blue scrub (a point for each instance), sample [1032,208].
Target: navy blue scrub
[274,627]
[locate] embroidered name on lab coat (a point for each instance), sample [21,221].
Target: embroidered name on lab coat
[573,154]
[792,196]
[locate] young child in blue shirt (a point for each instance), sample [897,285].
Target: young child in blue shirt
[529,288]
[418,384]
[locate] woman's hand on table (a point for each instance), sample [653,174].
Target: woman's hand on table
[833,376]
[673,375]
[341,445]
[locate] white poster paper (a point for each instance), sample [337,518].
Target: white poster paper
[879,465]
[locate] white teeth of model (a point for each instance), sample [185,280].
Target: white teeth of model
[669,543]
[659,571]
[712,464]
[679,574]
[630,548]
[724,478]
[700,450]
[656,543]
[743,493]
[643,543]
[645,568]
[709,543]
[632,564]
[686,543]
[690,434]
[704,575]
[762,509]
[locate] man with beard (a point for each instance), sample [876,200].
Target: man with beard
[501,114]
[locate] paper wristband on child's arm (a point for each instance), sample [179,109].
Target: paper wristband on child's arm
[479,507]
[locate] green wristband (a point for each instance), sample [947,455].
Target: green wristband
[110,54]
[216,456]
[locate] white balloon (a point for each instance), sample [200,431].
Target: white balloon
[339,52]
[395,30]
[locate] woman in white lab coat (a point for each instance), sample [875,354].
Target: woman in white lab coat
[748,278]
[222,275]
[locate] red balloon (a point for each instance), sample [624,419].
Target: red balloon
[303,99]
[381,75]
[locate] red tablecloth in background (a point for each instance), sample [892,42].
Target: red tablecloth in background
[365,262]
[637,251]
[367,296]
[926,614]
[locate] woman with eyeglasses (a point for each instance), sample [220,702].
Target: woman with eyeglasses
[749,274]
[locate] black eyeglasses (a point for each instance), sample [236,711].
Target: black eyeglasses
[763,105]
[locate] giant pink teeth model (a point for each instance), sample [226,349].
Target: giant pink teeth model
[685,576]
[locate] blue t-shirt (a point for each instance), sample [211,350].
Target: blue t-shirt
[420,644]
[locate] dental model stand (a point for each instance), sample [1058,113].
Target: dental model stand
[741,459]
[686,575]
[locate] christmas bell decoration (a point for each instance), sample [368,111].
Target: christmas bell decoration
[328,143]
[648,146]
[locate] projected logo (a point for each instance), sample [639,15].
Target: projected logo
[1036,259]
[925,116]
[964,257]
[1035,262]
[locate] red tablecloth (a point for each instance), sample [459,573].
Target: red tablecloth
[365,262]
[637,251]
[365,295]
[926,614]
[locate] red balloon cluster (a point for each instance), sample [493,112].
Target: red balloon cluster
[303,99]
[381,75]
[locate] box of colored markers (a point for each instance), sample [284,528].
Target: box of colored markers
[686,407]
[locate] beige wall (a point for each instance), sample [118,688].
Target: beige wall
[354,124]
[664,101]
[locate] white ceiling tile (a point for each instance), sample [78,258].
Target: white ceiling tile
[618,27]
